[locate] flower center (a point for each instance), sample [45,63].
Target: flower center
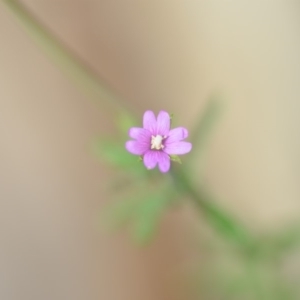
[156,142]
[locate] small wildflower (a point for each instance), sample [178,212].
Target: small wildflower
[156,142]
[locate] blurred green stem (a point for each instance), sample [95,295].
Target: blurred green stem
[70,64]
[89,81]
[224,223]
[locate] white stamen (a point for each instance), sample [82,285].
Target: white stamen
[156,142]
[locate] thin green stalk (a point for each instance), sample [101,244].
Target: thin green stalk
[70,64]
[217,217]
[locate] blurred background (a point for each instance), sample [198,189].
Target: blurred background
[170,55]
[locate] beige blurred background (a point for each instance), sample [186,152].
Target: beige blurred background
[168,55]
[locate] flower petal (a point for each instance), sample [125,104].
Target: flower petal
[163,123]
[136,147]
[140,134]
[176,135]
[149,121]
[150,159]
[164,162]
[177,148]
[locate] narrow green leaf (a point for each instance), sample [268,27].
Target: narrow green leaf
[125,121]
[117,214]
[175,158]
[141,210]
[202,131]
[148,215]
[113,152]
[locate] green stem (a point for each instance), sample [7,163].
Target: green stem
[70,64]
[224,223]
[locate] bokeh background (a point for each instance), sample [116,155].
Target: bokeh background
[170,55]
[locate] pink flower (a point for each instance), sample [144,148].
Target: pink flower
[155,142]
